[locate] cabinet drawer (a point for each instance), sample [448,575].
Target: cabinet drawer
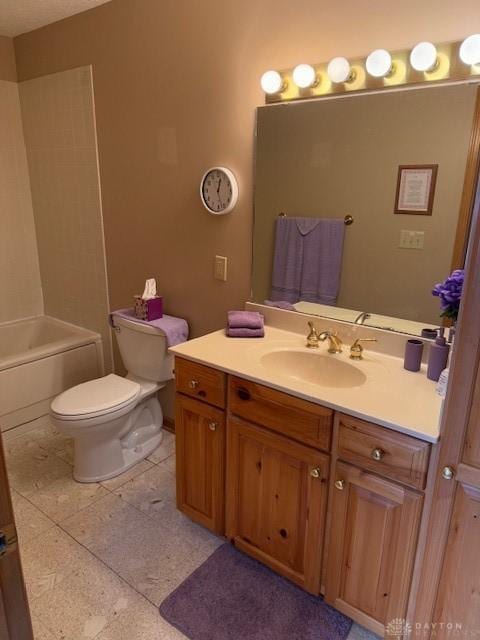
[389,453]
[301,420]
[200,382]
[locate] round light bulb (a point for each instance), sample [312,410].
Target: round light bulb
[423,56]
[379,63]
[271,82]
[304,76]
[339,70]
[470,50]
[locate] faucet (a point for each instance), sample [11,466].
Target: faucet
[313,338]
[360,319]
[356,350]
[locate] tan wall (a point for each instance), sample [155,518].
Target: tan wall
[20,287]
[59,124]
[188,72]
[330,158]
[8,70]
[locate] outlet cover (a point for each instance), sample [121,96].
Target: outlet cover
[220,268]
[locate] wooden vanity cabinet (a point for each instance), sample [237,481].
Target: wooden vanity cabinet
[200,444]
[276,501]
[371,549]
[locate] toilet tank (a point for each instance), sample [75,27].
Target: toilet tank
[144,350]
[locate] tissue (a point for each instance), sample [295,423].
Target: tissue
[150,290]
[149,306]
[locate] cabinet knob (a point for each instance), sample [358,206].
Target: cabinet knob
[315,473]
[193,384]
[212,426]
[448,473]
[377,453]
[340,485]
[243,394]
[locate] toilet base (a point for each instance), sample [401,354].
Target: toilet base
[130,458]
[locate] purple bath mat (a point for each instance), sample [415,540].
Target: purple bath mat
[233,597]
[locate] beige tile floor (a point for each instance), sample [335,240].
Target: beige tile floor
[98,559]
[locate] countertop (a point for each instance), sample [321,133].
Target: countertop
[390,396]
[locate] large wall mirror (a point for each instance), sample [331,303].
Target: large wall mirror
[394,161]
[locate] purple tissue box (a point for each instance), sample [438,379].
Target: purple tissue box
[148,309]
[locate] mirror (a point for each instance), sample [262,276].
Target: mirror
[394,161]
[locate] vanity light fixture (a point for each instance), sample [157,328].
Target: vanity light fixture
[379,63]
[470,50]
[272,82]
[423,57]
[305,76]
[339,70]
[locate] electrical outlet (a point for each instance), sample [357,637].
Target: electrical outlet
[220,268]
[411,239]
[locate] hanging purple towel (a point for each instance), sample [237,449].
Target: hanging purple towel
[307,261]
[175,329]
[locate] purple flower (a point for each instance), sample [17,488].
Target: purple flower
[450,293]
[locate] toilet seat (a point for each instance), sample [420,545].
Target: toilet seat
[96,398]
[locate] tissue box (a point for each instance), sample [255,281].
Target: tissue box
[148,309]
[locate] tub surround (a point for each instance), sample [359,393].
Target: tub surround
[390,396]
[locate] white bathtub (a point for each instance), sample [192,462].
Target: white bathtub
[39,358]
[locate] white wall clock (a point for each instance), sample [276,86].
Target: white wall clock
[219,190]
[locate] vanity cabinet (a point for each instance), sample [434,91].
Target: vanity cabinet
[319,496]
[276,501]
[371,548]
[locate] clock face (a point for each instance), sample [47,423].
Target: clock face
[219,190]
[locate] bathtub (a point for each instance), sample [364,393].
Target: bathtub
[39,358]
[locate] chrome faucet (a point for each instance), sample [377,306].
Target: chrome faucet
[360,319]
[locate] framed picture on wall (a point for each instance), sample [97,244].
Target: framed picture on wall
[416,189]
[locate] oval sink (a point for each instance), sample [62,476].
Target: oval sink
[327,371]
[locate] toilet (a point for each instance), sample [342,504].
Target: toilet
[116,422]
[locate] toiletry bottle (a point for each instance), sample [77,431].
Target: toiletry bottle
[438,357]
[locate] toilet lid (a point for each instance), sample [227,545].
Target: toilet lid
[96,396]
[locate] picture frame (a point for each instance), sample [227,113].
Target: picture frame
[416,189]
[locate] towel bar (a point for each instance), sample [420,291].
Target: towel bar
[348,219]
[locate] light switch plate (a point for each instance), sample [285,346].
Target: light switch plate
[220,268]
[411,239]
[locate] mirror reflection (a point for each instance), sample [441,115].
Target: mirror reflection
[395,163]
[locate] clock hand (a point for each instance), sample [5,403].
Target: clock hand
[219,183]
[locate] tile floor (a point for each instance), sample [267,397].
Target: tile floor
[98,559]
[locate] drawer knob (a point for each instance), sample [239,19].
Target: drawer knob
[212,426]
[193,384]
[315,473]
[377,454]
[243,394]
[340,485]
[448,473]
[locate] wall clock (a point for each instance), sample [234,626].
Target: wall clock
[219,190]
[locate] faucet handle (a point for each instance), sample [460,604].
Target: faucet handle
[356,350]
[312,338]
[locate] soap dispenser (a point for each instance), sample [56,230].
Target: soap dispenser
[438,356]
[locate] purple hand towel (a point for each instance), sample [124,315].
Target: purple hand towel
[245,320]
[244,332]
[175,329]
[307,261]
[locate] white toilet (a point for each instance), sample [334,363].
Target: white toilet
[115,421]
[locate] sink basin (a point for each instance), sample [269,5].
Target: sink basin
[316,368]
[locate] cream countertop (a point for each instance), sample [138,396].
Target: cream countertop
[392,397]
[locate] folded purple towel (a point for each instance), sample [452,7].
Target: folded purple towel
[245,332]
[175,329]
[245,320]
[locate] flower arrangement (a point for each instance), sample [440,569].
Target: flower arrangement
[450,293]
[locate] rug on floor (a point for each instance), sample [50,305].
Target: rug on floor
[233,597]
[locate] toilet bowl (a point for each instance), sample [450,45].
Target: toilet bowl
[116,422]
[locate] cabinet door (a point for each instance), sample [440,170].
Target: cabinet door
[276,501]
[371,548]
[200,455]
